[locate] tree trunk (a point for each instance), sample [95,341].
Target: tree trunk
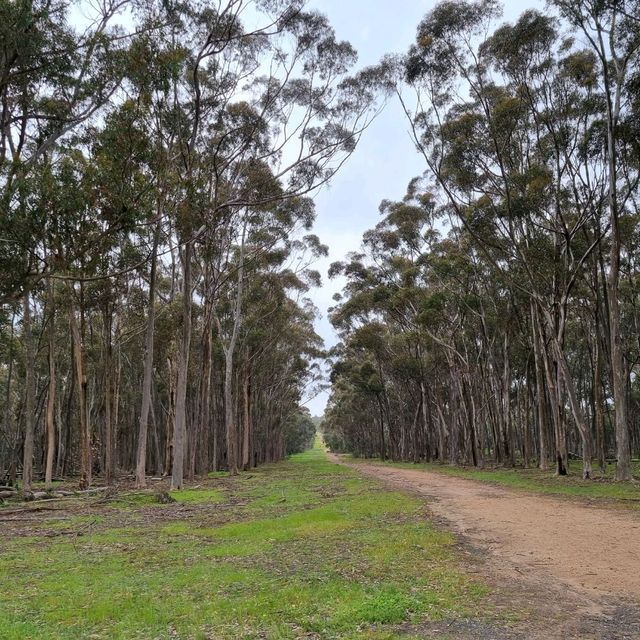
[51,395]
[205,392]
[108,397]
[541,399]
[246,439]
[229,414]
[623,470]
[383,451]
[81,383]
[147,378]
[506,391]
[8,413]
[180,424]
[29,396]
[598,406]
[554,403]
[232,456]
[574,403]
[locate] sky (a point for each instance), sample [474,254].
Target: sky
[385,160]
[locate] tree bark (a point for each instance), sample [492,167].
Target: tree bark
[180,424]
[51,395]
[598,405]
[229,413]
[81,383]
[246,438]
[29,396]
[108,397]
[553,391]
[623,469]
[147,378]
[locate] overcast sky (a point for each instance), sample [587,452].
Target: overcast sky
[385,159]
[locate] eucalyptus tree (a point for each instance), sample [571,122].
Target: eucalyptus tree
[53,79]
[280,364]
[156,168]
[410,296]
[270,99]
[260,253]
[612,32]
[512,125]
[512,160]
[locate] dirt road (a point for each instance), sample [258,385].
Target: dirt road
[574,561]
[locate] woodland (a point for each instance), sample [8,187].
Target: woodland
[158,162]
[472,477]
[491,316]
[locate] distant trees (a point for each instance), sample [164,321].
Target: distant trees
[511,336]
[300,432]
[156,252]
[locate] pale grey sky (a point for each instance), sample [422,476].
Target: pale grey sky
[385,159]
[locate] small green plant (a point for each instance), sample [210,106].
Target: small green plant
[218,474]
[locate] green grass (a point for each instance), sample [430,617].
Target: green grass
[602,487]
[218,474]
[300,548]
[198,496]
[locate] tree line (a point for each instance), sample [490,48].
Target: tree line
[492,314]
[157,164]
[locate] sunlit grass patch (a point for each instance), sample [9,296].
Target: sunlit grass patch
[198,496]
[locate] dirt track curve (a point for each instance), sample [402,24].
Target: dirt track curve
[565,556]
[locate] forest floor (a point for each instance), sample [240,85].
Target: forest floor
[575,563]
[301,549]
[312,549]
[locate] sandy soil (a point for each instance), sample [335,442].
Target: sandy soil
[577,566]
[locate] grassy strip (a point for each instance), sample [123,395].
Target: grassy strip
[601,487]
[303,547]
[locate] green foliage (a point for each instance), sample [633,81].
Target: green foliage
[299,432]
[489,295]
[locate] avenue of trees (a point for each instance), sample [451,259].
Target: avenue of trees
[494,313]
[157,162]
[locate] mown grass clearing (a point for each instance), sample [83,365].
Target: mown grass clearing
[302,547]
[601,487]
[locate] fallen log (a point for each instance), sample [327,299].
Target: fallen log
[36,509]
[93,490]
[42,495]
[36,496]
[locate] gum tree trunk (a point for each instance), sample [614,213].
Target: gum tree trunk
[51,396]
[81,383]
[29,396]
[143,425]
[180,423]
